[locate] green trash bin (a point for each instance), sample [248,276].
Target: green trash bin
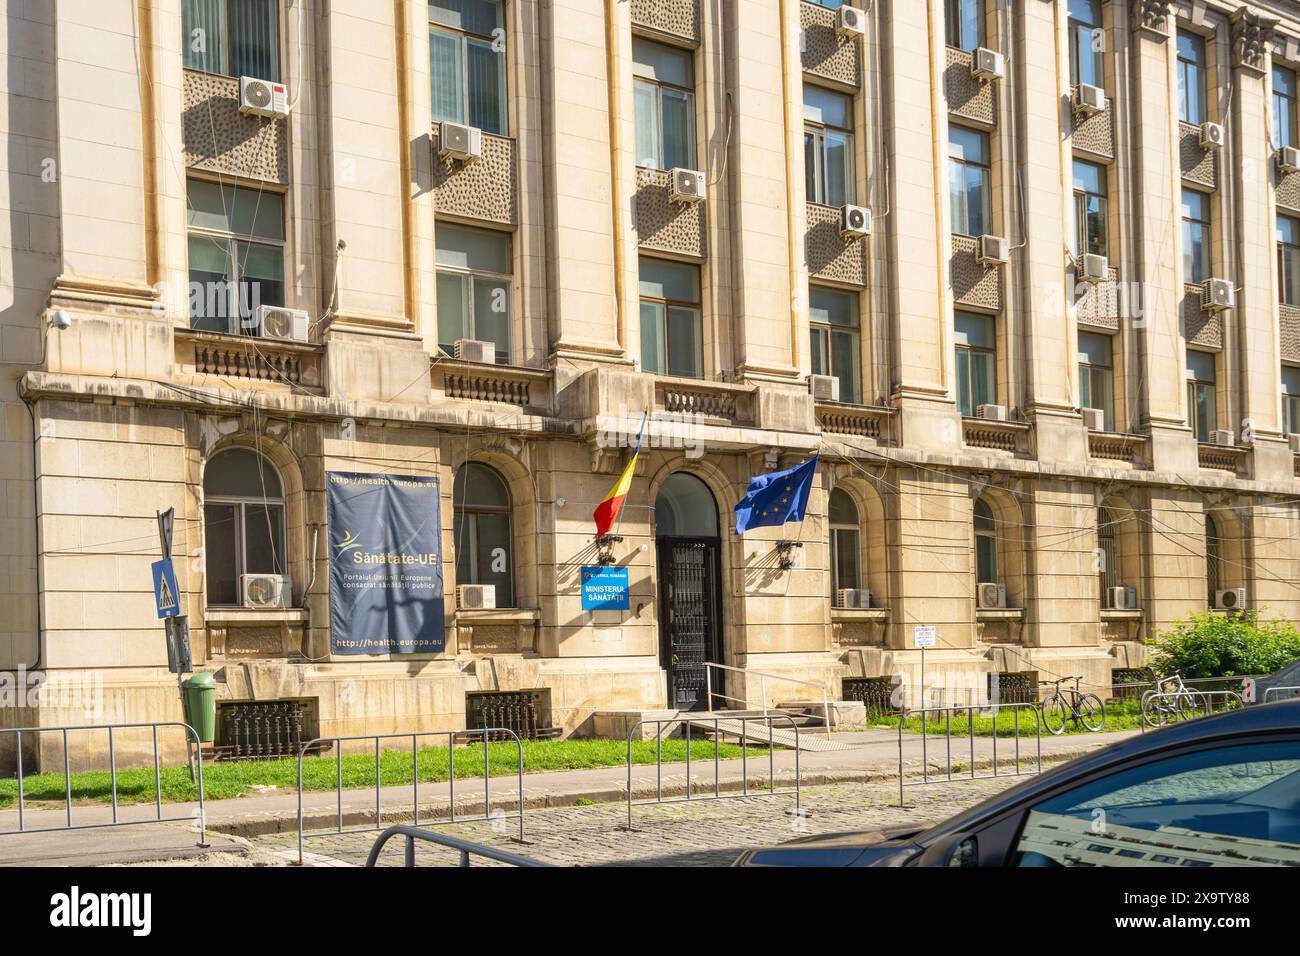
[201,705]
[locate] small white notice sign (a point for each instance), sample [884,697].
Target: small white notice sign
[925,635]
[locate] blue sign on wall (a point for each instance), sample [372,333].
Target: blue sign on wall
[385,540]
[605,589]
[166,595]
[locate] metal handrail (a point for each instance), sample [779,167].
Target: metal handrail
[763,676]
[466,848]
[969,711]
[1290,688]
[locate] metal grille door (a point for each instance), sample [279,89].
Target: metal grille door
[688,576]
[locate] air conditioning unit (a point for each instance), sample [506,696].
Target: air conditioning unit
[1233,599]
[988,65]
[1089,99]
[476,597]
[852,23]
[1213,136]
[991,595]
[458,141]
[266,590]
[993,250]
[263,98]
[855,221]
[1294,439]
[273,322]
[824,388]
[472,350]
[1123,598]
[994,413]
[1094,268]
[688,185]
[853,598]
[1094,419]
[1288,159]
[1221,436]
[1217,295]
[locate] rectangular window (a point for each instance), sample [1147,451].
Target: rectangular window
[1202,410]
[1284,108]
[1090,222]
[976,362]
[475,276]
[1288,260]
[672,326]
[664,96]
[1196,236]
[1097,375]
[1087,43]
[1191,78]
[836,344]
[467,63]
[232,37]
[828,146]
[964,23]
[1290,399]
[970,182]
[235,240]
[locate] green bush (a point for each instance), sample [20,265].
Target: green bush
[1220,645]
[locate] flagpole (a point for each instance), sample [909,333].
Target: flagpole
[618,518]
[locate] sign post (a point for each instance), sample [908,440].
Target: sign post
[167,597]
[924,635]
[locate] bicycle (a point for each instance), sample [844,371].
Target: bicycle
[1072,704]
[1160,707]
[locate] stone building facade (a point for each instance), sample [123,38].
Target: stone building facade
[134,179]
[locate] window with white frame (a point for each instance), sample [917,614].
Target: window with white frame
[243,522]
[1097,375]
[467,63]
[1087,43]
[1196,236]
[1091,226]
[1288,260]
[1202,407]
[964,23]
[232,37]
[836,344]
[475,275]
[1286,117]
[1191,78]
[970,181]
[235,240]
[976,361]
[828,146]
[672,330]
[664,99]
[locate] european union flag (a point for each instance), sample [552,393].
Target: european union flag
[776,498]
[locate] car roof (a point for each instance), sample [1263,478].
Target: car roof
[1261,719]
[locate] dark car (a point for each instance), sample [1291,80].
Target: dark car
[1218,791]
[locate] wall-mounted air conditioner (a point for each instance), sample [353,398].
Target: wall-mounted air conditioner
[1094,419]
[824,388]
[263,98]
[1089,99]
[988,595]
[1123,598]
[853,598]
[1294,440]
[993,251]
[1217,295]
[1224,437]
[1094,268]
[988,64]
[1232,599]
[1288,159]
[851,23]
[266,590]
[476,597]
[472,350]
[994,413]
[273,322]
[458,141]
[855,222]
[1213,136]
[688,186]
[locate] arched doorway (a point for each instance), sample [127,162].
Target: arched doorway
[690,596]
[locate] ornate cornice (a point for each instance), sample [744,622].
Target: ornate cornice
[1153,17]
[1252,37]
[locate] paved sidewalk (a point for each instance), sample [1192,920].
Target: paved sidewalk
[873,759]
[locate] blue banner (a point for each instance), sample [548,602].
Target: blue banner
[385,540]
[605,589]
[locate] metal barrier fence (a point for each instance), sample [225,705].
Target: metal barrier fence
[719,731]
[500,734]
[464,847]
[1291,691]
[970,713]
[1159,710]
[190,737]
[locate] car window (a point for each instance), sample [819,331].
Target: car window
[1230,806]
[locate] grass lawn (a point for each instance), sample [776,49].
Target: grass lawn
[223,781]
[1120,715]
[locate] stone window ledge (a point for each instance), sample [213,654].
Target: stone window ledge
[255,615]
[1000,614]
[859,614]
[1113,614]
[501,615]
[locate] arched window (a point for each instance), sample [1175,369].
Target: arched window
[846,543]
[1213,558]
[685,508]
[1107,553]
[986,544]
[481,525]
[1119,556]
[243,522]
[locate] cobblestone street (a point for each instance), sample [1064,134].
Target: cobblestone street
[703,833]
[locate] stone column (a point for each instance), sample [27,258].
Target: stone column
[1174,558]
[1061,544]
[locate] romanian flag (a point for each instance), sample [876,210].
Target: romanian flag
[606,512]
